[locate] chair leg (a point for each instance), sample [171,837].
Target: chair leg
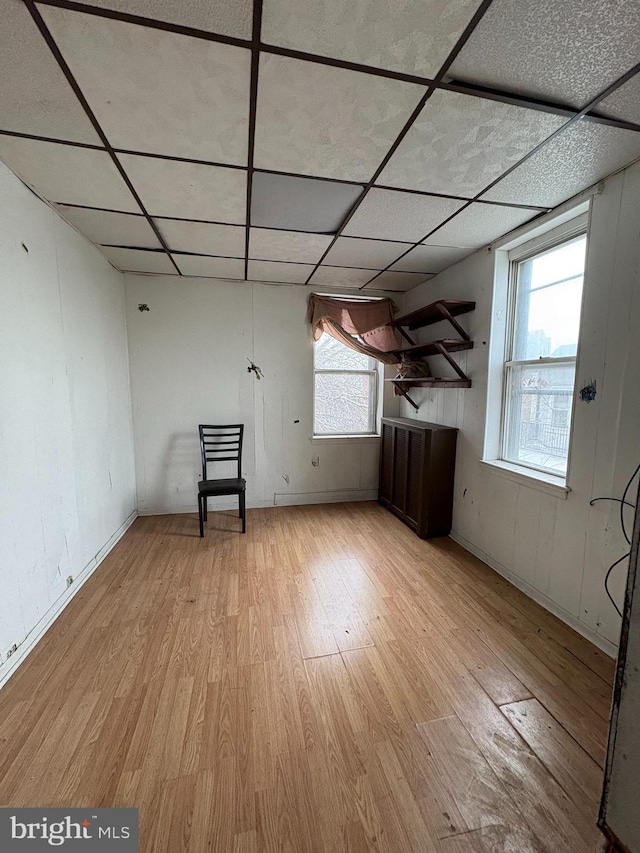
[205,501]
[242,511]
[200,511]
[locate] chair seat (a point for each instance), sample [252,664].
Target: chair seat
[232,486]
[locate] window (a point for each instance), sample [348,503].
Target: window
[345,390]
[542,342]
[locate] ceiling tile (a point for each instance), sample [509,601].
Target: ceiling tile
[35,96]
[430,259]
[268,245]
[395,215]
[318,120]
[415,36]
[203,238]
[273,271]
[400,281]
[624,103]
[188,190]
[356,252]
[210,267]
[343,276]
[577,158]
[479,224]
[459,144]
[157,91]
[215,16]
[562,50]
[137,260]
[66,174]
[117,229]
[303,204]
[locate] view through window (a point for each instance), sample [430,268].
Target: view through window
[541,357]
[345,389]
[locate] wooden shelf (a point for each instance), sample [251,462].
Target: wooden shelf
[433,382]
[434,348]
[443,309]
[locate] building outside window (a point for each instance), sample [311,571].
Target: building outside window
[542,342]
[345,390]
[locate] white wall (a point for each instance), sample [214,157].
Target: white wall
[189,356]
[556,550]
[67,481]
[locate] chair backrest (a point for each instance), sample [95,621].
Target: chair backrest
[220,443]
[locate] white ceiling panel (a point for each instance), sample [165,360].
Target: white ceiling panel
[372,254]
[318,120]
[400,281]
[268,244]
[35,96]
[157,91]
[273,271]
[66,174]
[414,36]
[460,144]
[574,160]
[479,224]
[210,267]
[342,276]
[395,215]
[562,50]
[203,238]
[188,190]
[116,229]
[624,103]
[215,16]
[137,260]
[430,259]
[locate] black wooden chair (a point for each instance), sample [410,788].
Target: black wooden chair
[221,443]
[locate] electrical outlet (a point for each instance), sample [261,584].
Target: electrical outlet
[69,581]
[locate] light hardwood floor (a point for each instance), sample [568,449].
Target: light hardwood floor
[326,682]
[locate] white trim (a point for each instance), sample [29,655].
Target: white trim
[558,216]
[339,496]
[46,621]
[569,619]
[370,438]
[531,477]
[278,499]
[554,230]
[545,238]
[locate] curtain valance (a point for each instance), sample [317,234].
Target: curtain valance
[362,326]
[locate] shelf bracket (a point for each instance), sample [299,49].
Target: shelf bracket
[406,335]
[448,316]
[398,385]
[451,361]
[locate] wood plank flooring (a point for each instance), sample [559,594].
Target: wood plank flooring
[326,682]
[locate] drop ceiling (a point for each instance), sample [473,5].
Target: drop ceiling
[366,144]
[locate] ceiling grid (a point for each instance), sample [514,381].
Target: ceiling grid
[323,143]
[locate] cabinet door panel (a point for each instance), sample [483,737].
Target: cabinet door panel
[415,474]
[386,463]
[400,459]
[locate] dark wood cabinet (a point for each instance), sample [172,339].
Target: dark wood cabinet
[417,466]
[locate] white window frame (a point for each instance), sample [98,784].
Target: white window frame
[542,237]
[374,402]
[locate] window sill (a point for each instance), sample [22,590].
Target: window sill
[329,439]
[528,477]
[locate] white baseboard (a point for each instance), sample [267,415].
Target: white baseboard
[279,499]
[339,496]
[46,621]
[568,618]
